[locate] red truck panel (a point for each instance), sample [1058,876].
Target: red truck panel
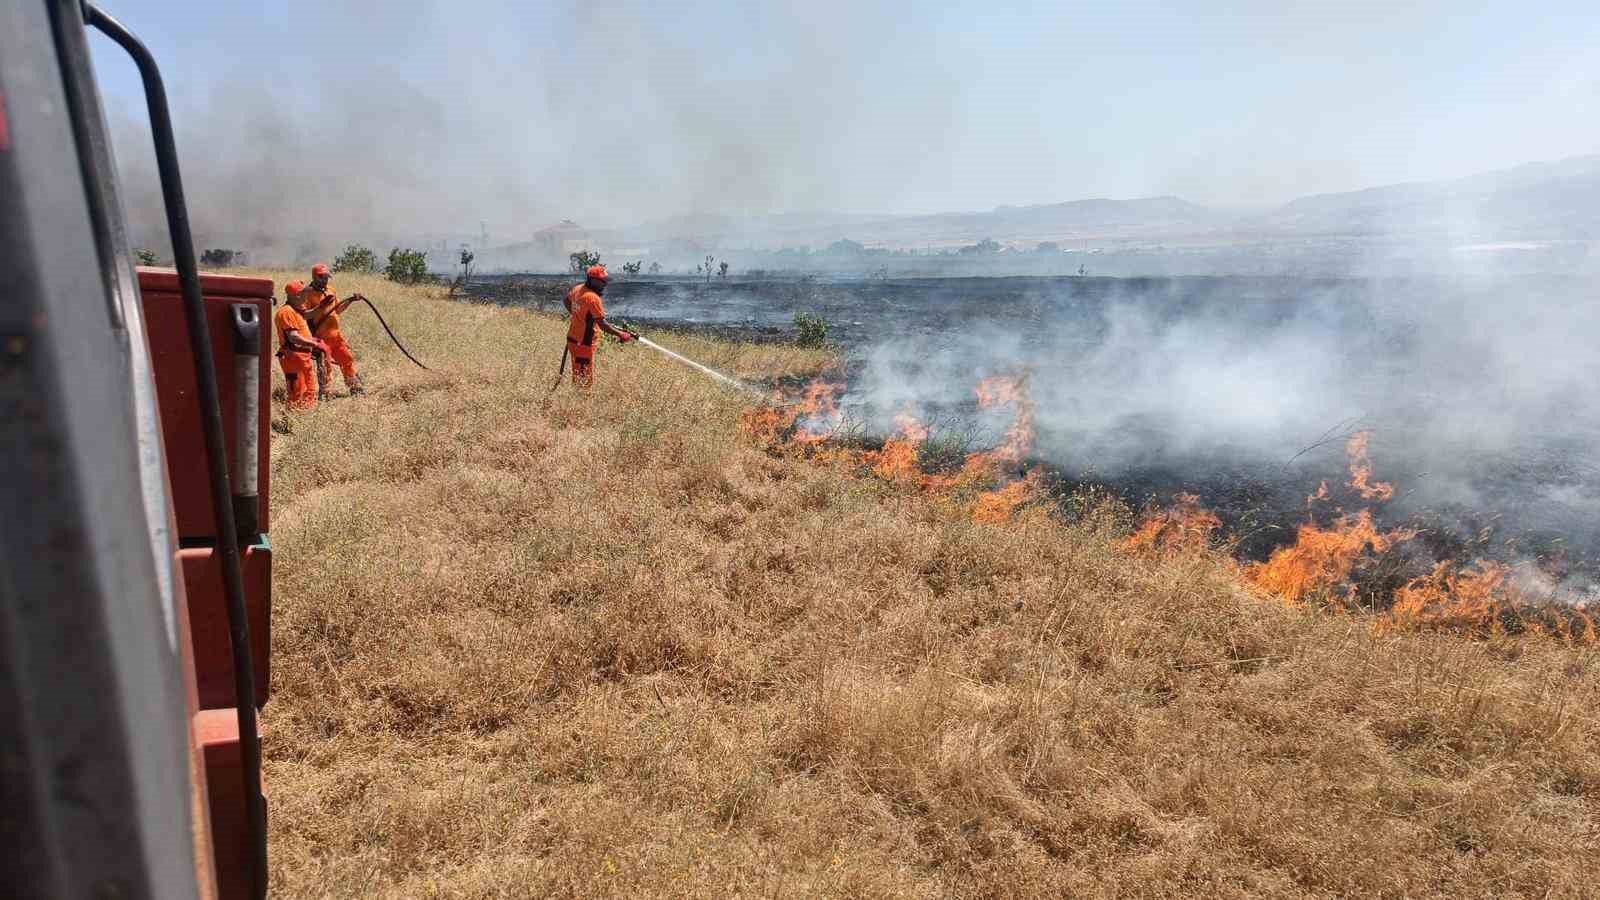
[208,655]
[208,621]
[217,732]
[199,798]
[168,335]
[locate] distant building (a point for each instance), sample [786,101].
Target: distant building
[561,239]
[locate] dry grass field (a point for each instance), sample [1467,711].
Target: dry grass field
[561,645]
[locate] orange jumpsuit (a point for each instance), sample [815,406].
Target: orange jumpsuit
[319,306]
[298,372]
[586,309]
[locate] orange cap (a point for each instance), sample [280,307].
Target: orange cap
[599,273]
[320,270]
[294,288]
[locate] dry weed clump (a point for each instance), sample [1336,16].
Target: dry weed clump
[555,645]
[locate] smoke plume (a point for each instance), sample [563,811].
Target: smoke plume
[310,124]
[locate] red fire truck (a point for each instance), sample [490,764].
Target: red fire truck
[135,568]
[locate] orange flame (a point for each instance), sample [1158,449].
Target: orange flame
[1320,494]
[997,391]
[999,505]
[768,424]
[809,422]
[1185,526]
[1447,597]
[1582,627]
[1322,558]
[818,412]
[821,398]
[897,461]
[907,426]
[1361,469]
[1482,600]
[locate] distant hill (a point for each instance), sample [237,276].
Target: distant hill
[1539,201]
[1548,201]
[1537,216]
[1074,218]
[1095,213]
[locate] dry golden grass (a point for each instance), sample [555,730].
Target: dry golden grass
[603,646]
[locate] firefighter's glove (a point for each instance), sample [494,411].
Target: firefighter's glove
[627,336]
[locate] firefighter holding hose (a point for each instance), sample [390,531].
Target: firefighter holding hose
[322,312]
[588,314]
[295,346]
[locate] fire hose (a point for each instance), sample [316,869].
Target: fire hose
[372,306]
[317,326]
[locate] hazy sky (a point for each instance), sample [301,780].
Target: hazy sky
[616,112]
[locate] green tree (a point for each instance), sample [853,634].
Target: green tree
[144,257]
[722,269]
[632,268]
[464,279]
[356,258]
[218,258]
[406,266]
[581,260]
[813,330]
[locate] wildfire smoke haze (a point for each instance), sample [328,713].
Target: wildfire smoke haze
[1395,447]
[1184,481]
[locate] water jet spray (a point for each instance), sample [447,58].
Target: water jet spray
[707,370]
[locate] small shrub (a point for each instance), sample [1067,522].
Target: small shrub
[632,268]
[813,330]
[218,258]
[947,446]
[144,257]
[406,266]
[581,260]
[356,258]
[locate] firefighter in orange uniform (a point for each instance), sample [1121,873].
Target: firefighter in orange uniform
[295,346]
[588,313]
[322,312]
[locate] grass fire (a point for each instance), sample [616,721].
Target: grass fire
[800,450]
[661,640]
[1338,558]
